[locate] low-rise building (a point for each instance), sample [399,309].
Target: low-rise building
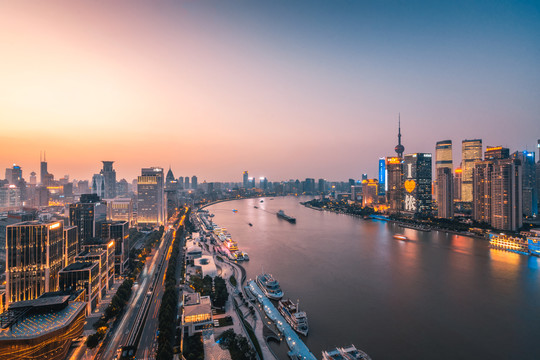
[197,313]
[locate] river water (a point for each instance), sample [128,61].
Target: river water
[438,296]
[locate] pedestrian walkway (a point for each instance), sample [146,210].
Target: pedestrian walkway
[255,320]
[212,350]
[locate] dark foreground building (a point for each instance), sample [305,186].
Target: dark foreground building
[40,329]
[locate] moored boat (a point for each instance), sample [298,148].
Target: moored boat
[297,319]
[345,353]
[269,286]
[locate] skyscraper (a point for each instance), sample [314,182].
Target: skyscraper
[471,153]
[530,195]
[186,183]
[445,193]
[14,175]
[150,197]
[321,185]
[443,160]
[457,183]
[109,178]
[87,215]
[382,176]
[417,184]
[443,155]
[194,182]
[34,256]
[43,170]
[170,176]
[497,193]
[394,193]
[98,185]
[180,183]
[245,178]
[482,191]
[506,198]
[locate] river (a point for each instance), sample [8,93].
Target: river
[438,296]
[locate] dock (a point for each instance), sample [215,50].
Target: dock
[298,350]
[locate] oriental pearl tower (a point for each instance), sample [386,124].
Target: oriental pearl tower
[399,148]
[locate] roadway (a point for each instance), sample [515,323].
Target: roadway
[122,332]
[147,348]
[148,341]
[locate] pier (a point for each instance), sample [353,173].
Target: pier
[298,350]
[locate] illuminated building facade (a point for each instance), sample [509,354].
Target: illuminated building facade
[370,192]
[120,210]
[471,153]
[417,184]
[34,256]
[445,193]
[482,191]
[498,193]
[119,232]
[99,256]
[197,313]
[507,209]
[394,193]
[103,251]
[443,155]
[150,197]
[82,276]
[382,176]
[496,153]
[43,328]
[71,248]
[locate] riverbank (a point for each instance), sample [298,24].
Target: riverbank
[414,226]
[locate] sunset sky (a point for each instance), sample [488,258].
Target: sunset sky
[283,89]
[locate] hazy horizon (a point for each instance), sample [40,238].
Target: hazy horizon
[283,89]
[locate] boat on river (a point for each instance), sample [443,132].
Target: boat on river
[296,318]
[345,353]
[269,286]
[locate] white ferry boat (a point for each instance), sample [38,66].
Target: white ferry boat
[345,353]
[269,286]
[297,319]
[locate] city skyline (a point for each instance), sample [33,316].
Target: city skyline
[215,88]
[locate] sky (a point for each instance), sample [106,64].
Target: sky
[282,88]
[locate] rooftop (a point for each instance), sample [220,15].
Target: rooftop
[204,306]
[40,302]
[34,325]
[79,265]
